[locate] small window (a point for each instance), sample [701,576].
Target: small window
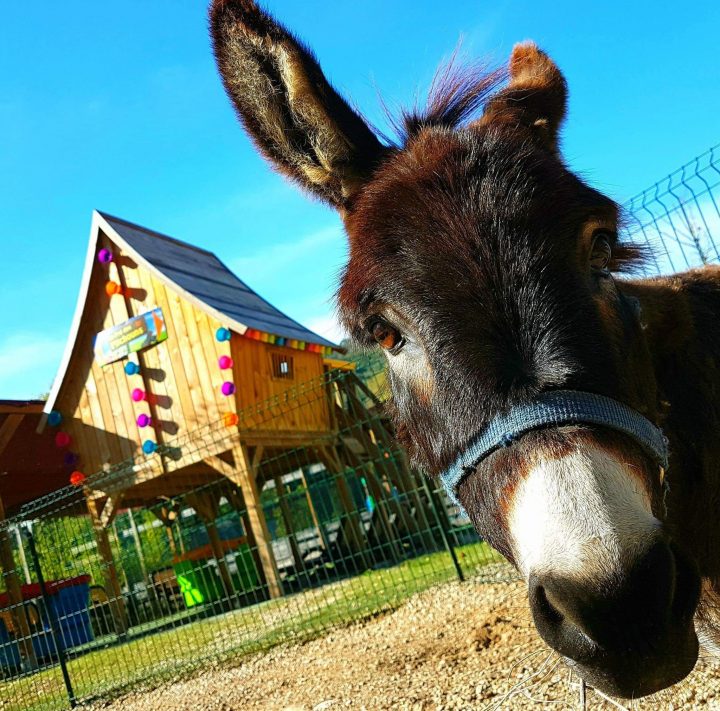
[282,366]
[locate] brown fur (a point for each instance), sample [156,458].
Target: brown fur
[472,238]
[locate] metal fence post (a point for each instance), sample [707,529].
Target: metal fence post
[443,533]
[54,631]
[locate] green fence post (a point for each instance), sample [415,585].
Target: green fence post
[443,533]
[54,631]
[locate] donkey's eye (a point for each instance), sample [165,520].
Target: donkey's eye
[385,335]
[601,252]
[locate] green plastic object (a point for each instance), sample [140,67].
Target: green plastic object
[200,583]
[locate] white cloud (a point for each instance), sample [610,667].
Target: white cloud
[328,327]
[267,263]
[28,362]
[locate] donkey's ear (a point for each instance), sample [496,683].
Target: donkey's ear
[297,120]
[536,96]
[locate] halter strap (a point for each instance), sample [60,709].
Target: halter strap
[554,409]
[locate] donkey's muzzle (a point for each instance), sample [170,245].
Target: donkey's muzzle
[629,635]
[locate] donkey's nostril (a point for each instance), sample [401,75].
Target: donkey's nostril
[630,633]
[539,600]
[631,610]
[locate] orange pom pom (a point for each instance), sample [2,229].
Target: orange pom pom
[230,419]
[112,288]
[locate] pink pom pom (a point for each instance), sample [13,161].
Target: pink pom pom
[225,362]
[62,440]
[143,420]
[138,395]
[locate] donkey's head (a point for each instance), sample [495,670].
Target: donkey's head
[483,268]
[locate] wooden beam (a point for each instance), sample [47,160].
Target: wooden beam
[8,429]
[110,509]
[287,519]
[244,476]
[330,459]
[206,505]
[22,408]
[110,576]
[220,465]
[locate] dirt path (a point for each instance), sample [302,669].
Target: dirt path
[459,646]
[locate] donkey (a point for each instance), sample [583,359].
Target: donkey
[526,368]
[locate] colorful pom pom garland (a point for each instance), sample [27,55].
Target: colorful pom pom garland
[255,335]
[62,440]
[77,478]
[230,419]
[149,446]
[112,288]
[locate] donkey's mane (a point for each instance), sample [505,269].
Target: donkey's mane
[457,95]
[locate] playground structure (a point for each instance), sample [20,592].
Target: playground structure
[183,393]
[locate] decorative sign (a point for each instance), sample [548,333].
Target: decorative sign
[133,335]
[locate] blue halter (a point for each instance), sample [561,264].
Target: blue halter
[555,409]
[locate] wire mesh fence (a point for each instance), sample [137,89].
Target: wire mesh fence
[679,217]
[238,536]
[147,571]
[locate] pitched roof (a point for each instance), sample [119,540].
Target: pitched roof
[196,274]
[203,275]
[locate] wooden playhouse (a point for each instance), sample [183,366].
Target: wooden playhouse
[169,357]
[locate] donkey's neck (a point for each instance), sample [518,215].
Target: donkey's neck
[681,318]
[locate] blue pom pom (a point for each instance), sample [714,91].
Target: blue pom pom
[149,446]
[280,341]
[54,418]
[222,334]
[132,368]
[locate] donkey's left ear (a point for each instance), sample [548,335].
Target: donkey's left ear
[536,96]
[295,117]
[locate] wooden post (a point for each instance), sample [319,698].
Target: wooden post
[207,507]
[313,512]
[330,459]
[237,501]
[14,590]
[147,579]
[245,476]
[100,519]
[287,518]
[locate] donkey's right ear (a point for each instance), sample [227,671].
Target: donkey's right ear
[296,119]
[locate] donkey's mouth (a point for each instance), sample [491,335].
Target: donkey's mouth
[632,641]
[640,673]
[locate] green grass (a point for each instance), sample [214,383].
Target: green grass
[147,661]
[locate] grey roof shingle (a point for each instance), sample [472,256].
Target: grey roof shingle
[202,274]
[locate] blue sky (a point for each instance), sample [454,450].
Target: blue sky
[117,106]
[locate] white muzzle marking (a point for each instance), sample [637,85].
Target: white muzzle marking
[585,516]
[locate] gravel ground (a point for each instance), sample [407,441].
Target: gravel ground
[458,646]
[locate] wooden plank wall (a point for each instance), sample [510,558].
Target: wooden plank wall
[181,375]
[254,382]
